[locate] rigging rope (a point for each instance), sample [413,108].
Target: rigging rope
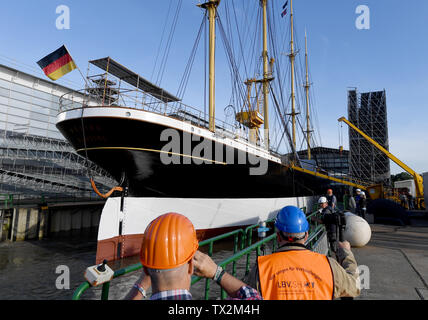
[161,41]
[185,79]
[168,44]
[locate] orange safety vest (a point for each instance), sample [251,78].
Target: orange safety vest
[295,275]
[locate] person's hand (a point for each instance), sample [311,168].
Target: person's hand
[204,265]
[345,245]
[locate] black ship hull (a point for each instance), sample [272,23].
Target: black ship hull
[132,148]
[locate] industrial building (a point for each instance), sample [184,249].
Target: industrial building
[330,161]
[35,159]
[334,161]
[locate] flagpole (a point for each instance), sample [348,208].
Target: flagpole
[88,168]
[77,67]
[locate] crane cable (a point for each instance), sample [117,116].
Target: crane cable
[340,127]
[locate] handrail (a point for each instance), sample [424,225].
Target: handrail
[8,199]
[80,290]
[248,241]
[134,267]
[81,99]
[256,247]
[245,249]
[210,242]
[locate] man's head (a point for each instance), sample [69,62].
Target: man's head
[322,202]
[169,244]
[291,225]
[329,192]
[358,191]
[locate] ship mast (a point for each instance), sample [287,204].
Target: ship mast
[252,118]
[307,86]
[292,56]
[265,77]
[211,7]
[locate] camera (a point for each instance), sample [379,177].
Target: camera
[335,225]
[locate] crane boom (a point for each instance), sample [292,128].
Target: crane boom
[417,177]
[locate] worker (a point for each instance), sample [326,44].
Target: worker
[404,200]
[296,273]
[357,201]
[410,200]
[331,198]
[169,255]
[352,204]
[327,217]
[362,205]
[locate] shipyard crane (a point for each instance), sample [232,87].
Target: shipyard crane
[417,177]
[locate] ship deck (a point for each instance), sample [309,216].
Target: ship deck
[397,258]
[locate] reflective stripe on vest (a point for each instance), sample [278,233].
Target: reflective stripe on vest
[295,275]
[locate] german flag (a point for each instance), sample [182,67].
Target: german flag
[57,64]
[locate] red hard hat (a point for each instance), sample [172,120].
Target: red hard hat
[168,242]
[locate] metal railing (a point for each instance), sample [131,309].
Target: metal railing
[7,199]
[245,248]
[138,100]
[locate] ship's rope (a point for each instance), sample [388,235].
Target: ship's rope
[234,70]
[168,43]
[84,145]
[105,195]
[161,41]
[185,79]
[88,168]
[277,49]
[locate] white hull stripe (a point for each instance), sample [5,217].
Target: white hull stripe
[204,213]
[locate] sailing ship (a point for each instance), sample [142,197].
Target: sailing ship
[169,156]
[126,139]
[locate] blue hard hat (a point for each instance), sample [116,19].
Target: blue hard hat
[291,219]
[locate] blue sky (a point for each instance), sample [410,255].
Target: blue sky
[391,55]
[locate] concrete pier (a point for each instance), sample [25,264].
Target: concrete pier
[397,260]
[38,222]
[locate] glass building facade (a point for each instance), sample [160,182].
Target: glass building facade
[329,159]
[35,159]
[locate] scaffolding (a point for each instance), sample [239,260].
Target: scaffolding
[32,166]
[35,159]
[368,112]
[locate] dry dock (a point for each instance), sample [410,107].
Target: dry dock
[397,258]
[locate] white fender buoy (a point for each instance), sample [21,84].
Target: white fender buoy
[357,231]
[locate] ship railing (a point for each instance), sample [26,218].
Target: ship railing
[131,100]
[242,247]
